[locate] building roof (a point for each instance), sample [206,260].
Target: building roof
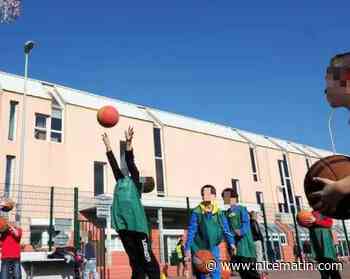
[14,83]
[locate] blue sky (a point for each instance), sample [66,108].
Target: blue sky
[254,65]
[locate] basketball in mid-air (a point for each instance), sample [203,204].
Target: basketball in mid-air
[108,116]
[303,217]
[334,168]
[203,261]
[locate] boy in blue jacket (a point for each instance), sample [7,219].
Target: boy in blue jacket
[208,226]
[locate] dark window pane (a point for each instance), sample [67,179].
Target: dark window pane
[252,159]
[298,203]
[157,142]
[98,178]
[259,196]
[123,166]
[289,189]
[159,174]
[40,135]
[255,177]
[56,124]
[284,195]
[8,174]
[281,207]
[235,187]
[285,166]
[56,137]
[281,172]
[286,208]
[40,121]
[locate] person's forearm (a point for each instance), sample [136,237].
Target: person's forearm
[129,146]
[114,165]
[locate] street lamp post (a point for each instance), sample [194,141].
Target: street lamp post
[27,49]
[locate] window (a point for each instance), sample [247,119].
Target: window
[158,160]
[299,202]
[160,178]
[235,187]
[56,125]
[286,184]
[157,142]
[99,173]
[259,197]
[9,174]
[39,236]
[253,163]
[123,165]
[40,130]
[283,239]
[13,120]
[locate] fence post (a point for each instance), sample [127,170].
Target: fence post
[296,232]
[269,250]
[76,219]
[51,228]
[346,236]
[188,209]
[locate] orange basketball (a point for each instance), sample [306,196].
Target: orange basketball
[335,168]
[108,116]
[303,216]
[203,260]
[225,274]
[3,225]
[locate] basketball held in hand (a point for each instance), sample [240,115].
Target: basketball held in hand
[108,116]
[4,226]
[334,167]
[204,261]
[304,217]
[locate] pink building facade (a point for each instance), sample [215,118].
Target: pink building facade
[63,148]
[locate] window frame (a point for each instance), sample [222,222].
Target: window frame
[57,107]
[104,176]
[254,164]
[9,179]
[41,129]
[13,104]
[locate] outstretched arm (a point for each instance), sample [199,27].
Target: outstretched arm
[111,158]
[129,158]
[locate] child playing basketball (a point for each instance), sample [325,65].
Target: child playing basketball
[128,214]
[208,226]
[322,243]
[239,223]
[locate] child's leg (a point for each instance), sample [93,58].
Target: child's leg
[216,274]
[130,243]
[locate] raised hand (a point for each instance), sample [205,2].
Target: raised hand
[106,141]
[129,135]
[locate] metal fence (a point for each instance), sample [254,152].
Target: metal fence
[49,216]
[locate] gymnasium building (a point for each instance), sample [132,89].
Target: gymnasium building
[64,150]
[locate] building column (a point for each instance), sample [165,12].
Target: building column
[161,235]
